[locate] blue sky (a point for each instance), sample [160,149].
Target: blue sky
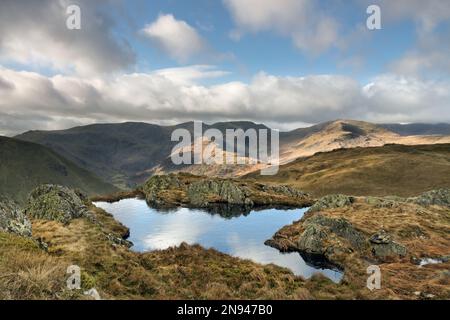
[286,63]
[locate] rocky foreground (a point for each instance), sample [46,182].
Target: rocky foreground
[400,235]
[59,227]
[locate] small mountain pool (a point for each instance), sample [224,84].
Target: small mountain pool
[238,235]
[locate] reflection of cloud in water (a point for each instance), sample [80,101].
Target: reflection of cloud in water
[266,255]
[242,236]
[175,229]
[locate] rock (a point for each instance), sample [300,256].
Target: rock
[381,237]
[312,240]
[436,197]
[12,219]
[119,241]
[51,202]
[156,184]
[386,202]
[384,249]
[202,193]
[332,202]
[284,190]
[322,236]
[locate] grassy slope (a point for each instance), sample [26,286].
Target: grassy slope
[187,272]
[24,165]
[390,170]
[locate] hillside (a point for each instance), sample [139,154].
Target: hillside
[123,154]
[127,154]
[419,129]
[379,171]
[24,165]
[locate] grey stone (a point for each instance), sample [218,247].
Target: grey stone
[436,197]
[58,203]
[13,220]
[332,202]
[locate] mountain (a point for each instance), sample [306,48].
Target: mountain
[345,134]
[377,171]
[25,165]
[415,129]
[124,154]
[127,154]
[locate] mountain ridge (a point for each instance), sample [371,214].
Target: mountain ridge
[126,154]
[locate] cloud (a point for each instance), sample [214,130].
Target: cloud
[311,30]
[175,37]
[429,55]
[176,95]
[34,34]
[191,74]
[426,14]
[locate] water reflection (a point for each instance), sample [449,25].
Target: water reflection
[240,235]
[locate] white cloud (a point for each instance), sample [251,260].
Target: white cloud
[427,14]
[310,29]
[34,33]
[177,38]
[429,56]
[33,101]
[191,74]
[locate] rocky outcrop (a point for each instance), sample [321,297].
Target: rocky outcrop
[331,239]
[384,248]
[284,190]
[153,187]
[208,193]
[320,236]
[51,202]
[203,193]
[12,219]
[436,197]
[332,202]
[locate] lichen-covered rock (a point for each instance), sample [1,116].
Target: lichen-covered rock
[156,184]
[384,248]
[381,237]
[51,202]
[386,202]
[285,191]
[436,197]
[339,227]
[12,219]
[332,202]
[203,192]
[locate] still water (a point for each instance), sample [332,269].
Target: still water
[241,236]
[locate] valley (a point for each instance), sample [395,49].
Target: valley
[127,154]
[345,198]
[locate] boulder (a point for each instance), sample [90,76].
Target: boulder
[156,184]
[12,219]
[332,202]
[326,236]
[384,248]
[436,197]
[381,237]
[52,202]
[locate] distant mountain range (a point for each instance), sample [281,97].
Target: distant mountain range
[25,165]
[127,154]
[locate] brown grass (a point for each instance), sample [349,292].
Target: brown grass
[186,272]
[383,171]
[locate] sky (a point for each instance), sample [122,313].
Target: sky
[284,63]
